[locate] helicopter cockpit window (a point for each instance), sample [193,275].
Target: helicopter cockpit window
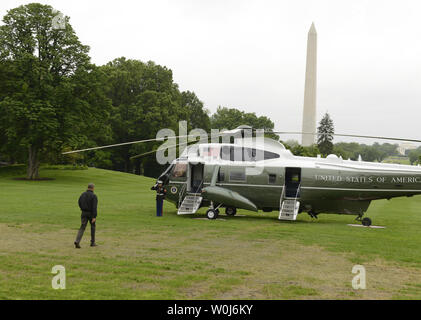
[180,170]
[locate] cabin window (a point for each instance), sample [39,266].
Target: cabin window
[180,170]
[211,152]
[237,176]
[249,154]
[271,155]
[236,154]
[226,153]
[272,178]
[233,153]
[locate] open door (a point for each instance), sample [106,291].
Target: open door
[196,183]
[292,182]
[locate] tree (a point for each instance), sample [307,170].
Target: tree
[43,106]
[370,153]
[145,99]
[414,155]
[325,133]
[231,118]
[196,115]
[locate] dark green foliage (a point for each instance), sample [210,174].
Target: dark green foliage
[376,152]
[48,87]
[415,155]
[299,150]
[231,118]
[145,99]
[52,99]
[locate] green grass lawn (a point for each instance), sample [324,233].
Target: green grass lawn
[140,256]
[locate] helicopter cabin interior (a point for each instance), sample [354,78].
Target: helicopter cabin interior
[195,182]
[292,182]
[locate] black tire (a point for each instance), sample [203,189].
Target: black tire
[230,211]
[211,214]
[366,222]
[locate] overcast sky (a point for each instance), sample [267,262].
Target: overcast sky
[251,54]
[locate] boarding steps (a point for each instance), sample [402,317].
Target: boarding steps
[190,204]
[289,209]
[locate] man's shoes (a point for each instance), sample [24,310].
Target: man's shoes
[94,245]
[77,246]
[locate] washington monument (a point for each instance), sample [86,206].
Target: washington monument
[309,112]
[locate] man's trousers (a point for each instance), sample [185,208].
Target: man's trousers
[85,217]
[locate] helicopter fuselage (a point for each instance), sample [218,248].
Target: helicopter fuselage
[322,185]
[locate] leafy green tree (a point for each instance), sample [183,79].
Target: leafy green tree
[299,150]
[196,115]
[369,153]
[325,135]
[231,118]
[376,152]
[145,99]
[414,155]
[43,106]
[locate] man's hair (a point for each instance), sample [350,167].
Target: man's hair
[91,186]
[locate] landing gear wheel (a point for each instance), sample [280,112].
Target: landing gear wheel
[230,211]
[212,214]
[366,222]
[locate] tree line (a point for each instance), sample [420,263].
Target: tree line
[54,99]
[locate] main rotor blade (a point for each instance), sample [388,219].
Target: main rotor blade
[350,135]
[142,141]
[156,150]
[126,143]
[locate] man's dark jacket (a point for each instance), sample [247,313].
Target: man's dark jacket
[88,202]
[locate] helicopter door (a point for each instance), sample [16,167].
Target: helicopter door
[196,182]
[292,182]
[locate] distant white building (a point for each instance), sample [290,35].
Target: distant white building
[403,147]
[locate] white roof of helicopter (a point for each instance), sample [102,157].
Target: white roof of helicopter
[195,153]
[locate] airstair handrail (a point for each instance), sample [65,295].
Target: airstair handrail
[180,195]
[282,196]
[198,188]
[296,195]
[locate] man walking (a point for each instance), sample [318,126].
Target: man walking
[88,202]
[160,196]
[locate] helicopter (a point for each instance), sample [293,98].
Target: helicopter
[261,174]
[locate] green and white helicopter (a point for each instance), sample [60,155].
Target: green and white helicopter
[261,174]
